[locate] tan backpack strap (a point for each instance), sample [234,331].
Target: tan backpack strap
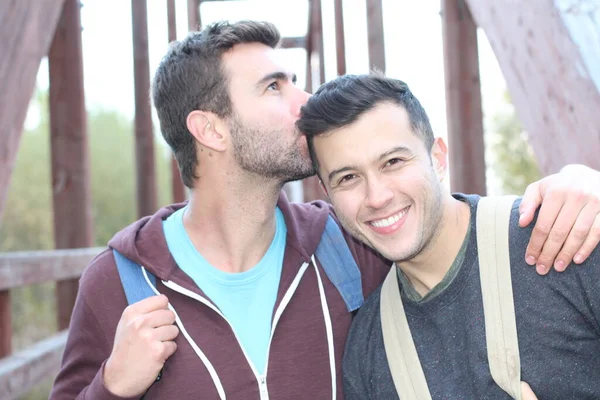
[402,356]
[493,217]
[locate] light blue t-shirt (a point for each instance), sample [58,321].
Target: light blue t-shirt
[246,299]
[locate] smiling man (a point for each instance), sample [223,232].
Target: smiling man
[237,267]
[375,152]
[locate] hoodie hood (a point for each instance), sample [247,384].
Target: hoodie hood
[144,241]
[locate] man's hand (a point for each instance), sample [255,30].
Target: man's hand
[526,392]
[568,224]
[143,342]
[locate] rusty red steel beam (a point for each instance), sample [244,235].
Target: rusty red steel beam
[315,42]
[26,30]
[193,13]
[71,197]
[18,269]
[25,25]
[541,49]
[318,13]
[293,42]
[177,187]
[463,99]
[375,35]
[340,39]
[171,21]
[310,186]
[24,370]
[309,48]
[308,86]
[5,323]
[144,136]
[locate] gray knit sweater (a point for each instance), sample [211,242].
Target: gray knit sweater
[558,323]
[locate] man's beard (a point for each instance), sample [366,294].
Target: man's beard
[261,152]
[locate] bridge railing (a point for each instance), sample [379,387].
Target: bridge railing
[21,371]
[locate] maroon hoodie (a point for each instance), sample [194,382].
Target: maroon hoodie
[299,356]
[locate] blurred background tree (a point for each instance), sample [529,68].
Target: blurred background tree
[510,157]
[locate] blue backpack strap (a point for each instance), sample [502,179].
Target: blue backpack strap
[132,278]
[336,259]
[135,286]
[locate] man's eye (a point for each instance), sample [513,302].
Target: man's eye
[394,161]
[346,178]
[273,86]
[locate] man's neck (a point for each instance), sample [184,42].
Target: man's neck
[231,221]
[428,269]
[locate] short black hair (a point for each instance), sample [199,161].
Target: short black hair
[191,77]
[342,101]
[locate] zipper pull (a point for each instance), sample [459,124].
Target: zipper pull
[264,394]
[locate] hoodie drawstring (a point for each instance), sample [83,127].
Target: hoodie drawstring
[197,350]
[329,330]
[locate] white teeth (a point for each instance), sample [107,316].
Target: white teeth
[382,223]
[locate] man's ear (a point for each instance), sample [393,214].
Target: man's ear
[439,158]
[208,129]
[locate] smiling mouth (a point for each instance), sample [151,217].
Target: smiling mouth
[389,221]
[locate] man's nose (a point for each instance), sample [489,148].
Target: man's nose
[379,194]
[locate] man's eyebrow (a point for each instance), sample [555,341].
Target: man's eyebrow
[276,76]
[397,149]
[338,171]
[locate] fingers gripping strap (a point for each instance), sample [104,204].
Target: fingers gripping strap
[493,217]
[400,349]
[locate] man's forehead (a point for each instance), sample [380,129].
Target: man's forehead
[252,61]
[368,138]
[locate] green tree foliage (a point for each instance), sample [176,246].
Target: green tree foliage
[27,218]
[27,222]
[513,163]
[114,176]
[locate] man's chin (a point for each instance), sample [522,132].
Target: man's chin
[395,253]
